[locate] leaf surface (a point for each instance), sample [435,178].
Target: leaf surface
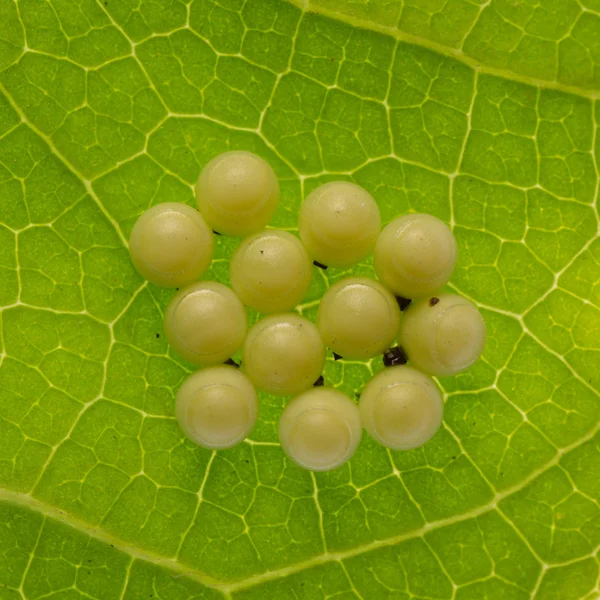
[484,114]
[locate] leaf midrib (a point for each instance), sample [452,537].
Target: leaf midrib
[173,565]
[309,7]
[28,501]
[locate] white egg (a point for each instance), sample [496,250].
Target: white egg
[320,429]
[442,335]
[205,323]
[217,407]
[283,354]
[339,223]
[237,193]
[271,271]
[358,318]
[401,408]
[171,245]
[415,255]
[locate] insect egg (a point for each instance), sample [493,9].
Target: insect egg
[339,223]
[320,429]
[401,408]
[171,244]
[217,407]
[442,335]
[237,193]
[205,323]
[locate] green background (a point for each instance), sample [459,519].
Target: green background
[482,113]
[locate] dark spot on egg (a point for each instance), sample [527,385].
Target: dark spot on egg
[403,303]
[394,356]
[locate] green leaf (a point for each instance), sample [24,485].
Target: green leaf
[482,113]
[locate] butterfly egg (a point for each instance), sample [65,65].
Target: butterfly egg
[401,408]
[320,429]
[283,354]
[205,323]
[171,245]
[339,223]
[358,318]
[415,255]
[442,335]
[271,271]
[217,407]
[237,193]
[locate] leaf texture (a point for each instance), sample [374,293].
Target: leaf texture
[481,113]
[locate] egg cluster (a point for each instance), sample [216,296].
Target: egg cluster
[359,318]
